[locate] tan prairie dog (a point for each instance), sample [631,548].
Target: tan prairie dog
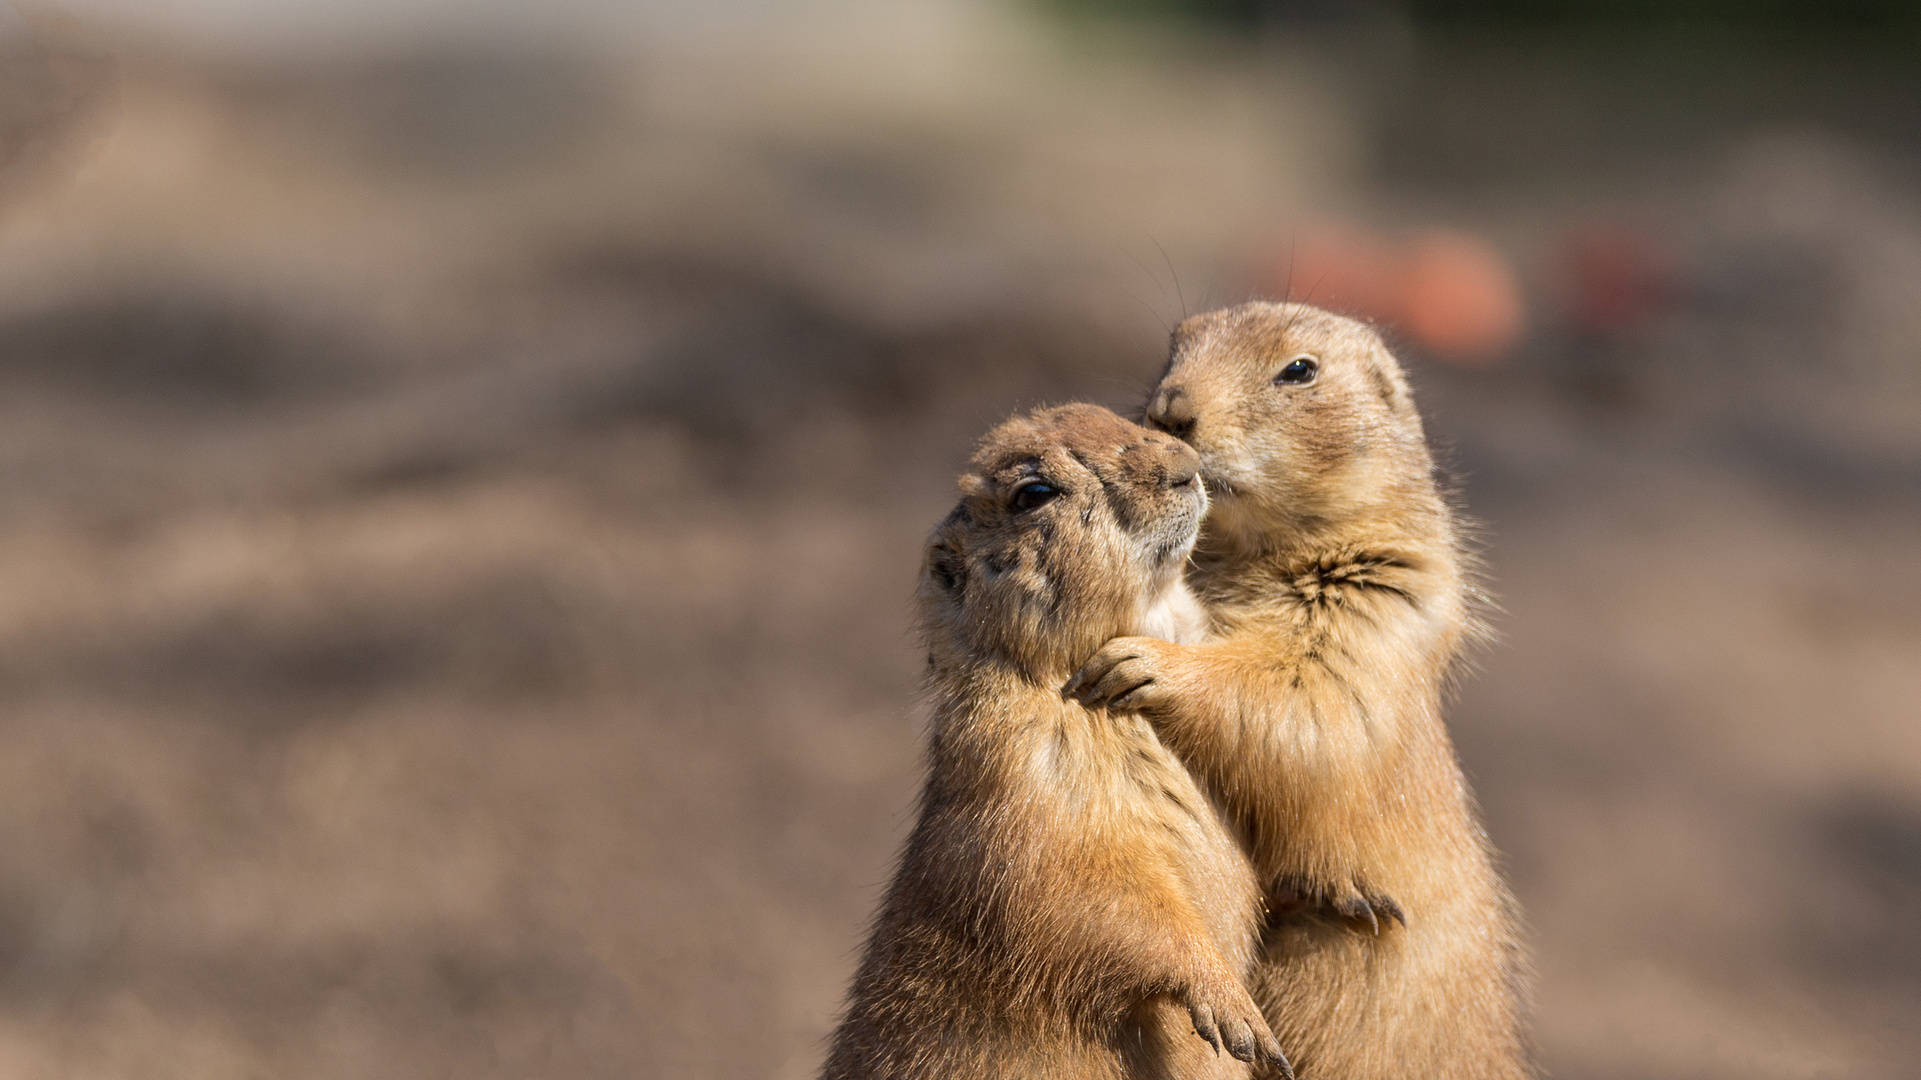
[1069,904]
[1331,568]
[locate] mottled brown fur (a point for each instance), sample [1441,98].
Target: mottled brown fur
[1332,570]
[1069,905]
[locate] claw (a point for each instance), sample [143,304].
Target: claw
[1386,906]
[1073,687]
[1204,1027]
[1271,1049]
[1125,700]
[1358,909]
[1240,1041]
[1375,910]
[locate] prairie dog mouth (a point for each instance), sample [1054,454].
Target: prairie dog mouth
[1179,535]
[1170,533]
[1174,550]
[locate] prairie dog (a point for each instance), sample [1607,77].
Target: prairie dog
[1332,570]
[1069,904]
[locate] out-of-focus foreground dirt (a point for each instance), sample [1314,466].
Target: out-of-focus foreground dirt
[458,514]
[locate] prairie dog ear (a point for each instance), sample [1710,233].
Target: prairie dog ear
[1389,389]
[945,568]
[1389,381]
[946,565]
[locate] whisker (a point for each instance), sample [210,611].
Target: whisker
[1176,274]
[1142,267]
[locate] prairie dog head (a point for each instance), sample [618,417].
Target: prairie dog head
[1302,418]
[1073,527]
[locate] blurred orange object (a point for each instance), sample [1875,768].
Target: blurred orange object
[1618,278]
[1449,292]
[1458,298]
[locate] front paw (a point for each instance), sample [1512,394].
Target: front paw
[1128,673]
[1227,1019]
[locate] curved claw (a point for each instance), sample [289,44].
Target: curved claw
[1387,907]
[1073,688]
[1205,1027]
[1239,1040]
[1267,1049]
[1108,688]
[1374,909]
[1358,909]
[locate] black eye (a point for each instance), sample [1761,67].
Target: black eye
[1033,494]
[1299,371]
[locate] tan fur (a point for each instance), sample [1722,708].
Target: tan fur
[1069,904]
[1332,569]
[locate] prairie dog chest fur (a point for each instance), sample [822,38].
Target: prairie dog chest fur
[1176,615]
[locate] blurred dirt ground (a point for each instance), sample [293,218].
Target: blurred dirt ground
[458,513]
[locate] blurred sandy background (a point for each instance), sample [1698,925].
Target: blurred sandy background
[462,471]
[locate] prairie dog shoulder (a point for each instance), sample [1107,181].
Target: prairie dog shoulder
[1069,903]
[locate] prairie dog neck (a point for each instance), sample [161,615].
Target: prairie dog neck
[1175,615]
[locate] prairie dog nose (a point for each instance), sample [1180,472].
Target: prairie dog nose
[1172,411]
[1182,463]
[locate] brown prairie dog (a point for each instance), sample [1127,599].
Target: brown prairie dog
[1069,904]
[1332,570]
